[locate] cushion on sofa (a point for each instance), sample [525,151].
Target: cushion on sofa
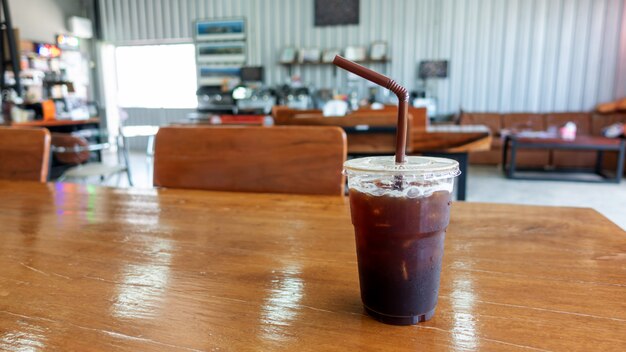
[581,119]
[491,120]
[566,158]
[523,122]
[600,121]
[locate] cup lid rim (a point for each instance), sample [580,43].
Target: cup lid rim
[423,166]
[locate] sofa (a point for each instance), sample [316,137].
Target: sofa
[587,124]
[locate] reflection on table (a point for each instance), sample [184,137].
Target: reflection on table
[87,267]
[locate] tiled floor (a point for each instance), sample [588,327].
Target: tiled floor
[486,184]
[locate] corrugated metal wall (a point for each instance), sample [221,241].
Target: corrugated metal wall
[505,55]
[620,89]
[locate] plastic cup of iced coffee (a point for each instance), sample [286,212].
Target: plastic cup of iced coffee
[400,213]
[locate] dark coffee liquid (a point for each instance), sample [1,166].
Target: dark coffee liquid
[399,247]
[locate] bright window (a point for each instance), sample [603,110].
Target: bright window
[156,76]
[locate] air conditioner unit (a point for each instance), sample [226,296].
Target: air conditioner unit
[80,27]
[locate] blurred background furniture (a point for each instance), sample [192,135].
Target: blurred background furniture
[281,159]
[123,143]
[588,124]
[373,132]
[91,126]
[75,149]
[369,132]
[61,125]
[24,154]
[366,135]
[598,145]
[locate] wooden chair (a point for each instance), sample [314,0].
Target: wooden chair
[360,141]
[378,138]
[24,153]
[280,159]
[282,114]
[420,115]
[74,149]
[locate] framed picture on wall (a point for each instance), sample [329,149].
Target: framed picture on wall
[216,75]
[356,53]
[221,52]
[378,51]
[309,55]
[329,55]
[222,29]
[288,55]
[335,12]
[433,69]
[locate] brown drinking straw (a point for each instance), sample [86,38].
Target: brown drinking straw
[384,81]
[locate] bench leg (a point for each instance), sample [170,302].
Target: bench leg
[511,171]
[462,158]
[505,152]
[599,160]
[461,191]
[620,161]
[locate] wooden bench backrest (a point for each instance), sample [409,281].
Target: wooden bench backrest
[24,153]
[280,159]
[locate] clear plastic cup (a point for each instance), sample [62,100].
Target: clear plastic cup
[400,214]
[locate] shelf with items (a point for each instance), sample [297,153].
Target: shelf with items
[367,61]
[289,65]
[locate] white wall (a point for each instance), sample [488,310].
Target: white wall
[41,20]
[505,55]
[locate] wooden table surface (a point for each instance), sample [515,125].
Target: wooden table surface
[86,268]
[452,139]
[54,123]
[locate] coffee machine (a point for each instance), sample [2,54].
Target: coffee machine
[212,99]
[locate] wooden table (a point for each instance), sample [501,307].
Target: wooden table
[89,268]
[58,167]
[57,123]
[373,133]
[452,139]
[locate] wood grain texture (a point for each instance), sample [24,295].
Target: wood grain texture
[24,154]
[419,122]
[387,116]
[362,142]
[381,118]
[92,268]
[420,139]
[281,159]
[358,143]
[452,142]
[53,123]
[282,114]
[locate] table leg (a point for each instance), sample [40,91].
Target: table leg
[462,158]
[150,147]
[462,183]
[126,157]
[599,159]
[505,152]
[620,161]
[511,171]
[50,158]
